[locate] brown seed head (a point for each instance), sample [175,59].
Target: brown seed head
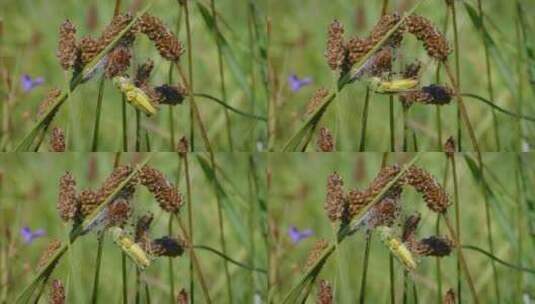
[316,100]
[182,146]
[143,73]
[165,193]
[335,202]
[357,48]
[119,211]
[433,94]
[167,246]
[165,41]
[57,140]
[182,297]
[49,252]
[114,28]
[89,49]
[381,62]
[325,294]
[111,183]
[57,293]
[383,26]
[118,61]
[426,184]
[434,41]
[67,49]
[449,147]
[316,252]
[67,201]
[410,226]
[47,102]
[142,230]
[437,246]
[412,70]
[449,297]
[325,141]
[336,50]
[89,201]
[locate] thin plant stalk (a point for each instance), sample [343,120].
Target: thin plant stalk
[171,117]
[137,298]
[96,277]
[362,146]
[490,87]
[457,222]
[124,125]
[405,128]
[392,281]
[190,222]
[138,130]
[197,267]
[94,146]
[520,40]
[190,76]
[457,69]
[464,265]
[415,292]
[171,271]
[222,75]
[405,293]
[125,281]
[439,269]
[196,112]
[221,228]
[392,125]
[490,239]
[463,112]
[147,293]
[362,296]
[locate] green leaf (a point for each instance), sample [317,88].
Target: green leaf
[494,51]
[529,47]
[40,127]
[495,201]
[228,206]
[232,61]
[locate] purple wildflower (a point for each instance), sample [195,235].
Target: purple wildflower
[28,235]
[29,84]
[297,236]
[296,84]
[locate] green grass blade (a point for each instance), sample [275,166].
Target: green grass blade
[229,259]
[500,109]
[494,51]
[529,46]
[510,265]
[227,106]
[232,214]
[45,120]
[236,70]
[494,200]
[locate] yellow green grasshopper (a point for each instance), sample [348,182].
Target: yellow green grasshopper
[130,247]
[392,86]
[398,249]
[135,96]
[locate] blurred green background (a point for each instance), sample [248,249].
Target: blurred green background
[297,195]
[298,45]
[29,195]
[28,45]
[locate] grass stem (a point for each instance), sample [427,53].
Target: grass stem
[94,145]
[362,146]
[96,278]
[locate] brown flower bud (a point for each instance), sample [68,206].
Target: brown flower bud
[57,292]
[167,246]
[336,50]
[67,200]
[435,42]
[57,140]
[325,141]
[165,193]
[316,100]
[49,252]
[325,294]
[67,49]
[316,252]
